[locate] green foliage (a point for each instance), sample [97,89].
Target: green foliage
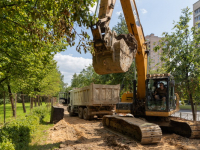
[7,101]
[121,27]
[88,76]
[32,32]
[19,131]
[51,84]
[7,145]
[40,112]
[181,56]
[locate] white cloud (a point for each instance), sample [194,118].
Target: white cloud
[144,11]
[118,13]
[69,65]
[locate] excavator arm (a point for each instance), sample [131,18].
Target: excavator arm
[115,53]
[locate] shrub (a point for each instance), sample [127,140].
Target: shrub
[19,132]
[7,145]
[40,112]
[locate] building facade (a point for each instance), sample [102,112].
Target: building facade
[196,13]
[154,57]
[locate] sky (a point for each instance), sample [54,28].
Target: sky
[156,16]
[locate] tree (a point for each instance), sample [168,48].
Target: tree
[181,56]
[121,27]
[51,85]
[32,32]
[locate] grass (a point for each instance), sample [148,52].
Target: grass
[40,136]
[187,107]
[19,112]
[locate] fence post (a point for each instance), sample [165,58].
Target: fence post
[4,102]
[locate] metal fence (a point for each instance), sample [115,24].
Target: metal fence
[187,115]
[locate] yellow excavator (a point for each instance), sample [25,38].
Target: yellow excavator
[115,54]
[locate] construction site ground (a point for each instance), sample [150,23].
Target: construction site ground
[74,133]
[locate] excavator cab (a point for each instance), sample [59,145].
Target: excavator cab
[160,104]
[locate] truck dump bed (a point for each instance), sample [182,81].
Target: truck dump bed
[95,95]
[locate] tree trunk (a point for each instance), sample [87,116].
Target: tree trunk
[35,102]
[38,100]
[31,103]
[23,104]
[190,95]
[192,105]
[11,100]
[41,98]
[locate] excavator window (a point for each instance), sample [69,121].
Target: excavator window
[157,96]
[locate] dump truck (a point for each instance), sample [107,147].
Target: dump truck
[95,99]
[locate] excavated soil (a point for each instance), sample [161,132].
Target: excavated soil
[130,41]
[77,134]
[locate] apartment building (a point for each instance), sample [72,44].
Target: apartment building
[154,57]
[196,13]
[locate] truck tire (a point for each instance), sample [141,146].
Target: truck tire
[80,112]
[85,114]
[71,114]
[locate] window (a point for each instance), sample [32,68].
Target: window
[199,25]
[197,11]
[154,103]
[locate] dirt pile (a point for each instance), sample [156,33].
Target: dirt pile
[74,133]
[62,131]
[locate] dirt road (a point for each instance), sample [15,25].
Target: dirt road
[74,133]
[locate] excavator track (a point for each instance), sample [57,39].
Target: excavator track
[185,127]
[144,132]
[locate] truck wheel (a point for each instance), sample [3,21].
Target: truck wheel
[85,114]
[80,113]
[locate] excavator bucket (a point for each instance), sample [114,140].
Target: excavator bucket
[116,60]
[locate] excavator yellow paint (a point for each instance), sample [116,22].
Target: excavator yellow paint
[134,27]
[127,97]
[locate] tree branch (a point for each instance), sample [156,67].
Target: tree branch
[10,5]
